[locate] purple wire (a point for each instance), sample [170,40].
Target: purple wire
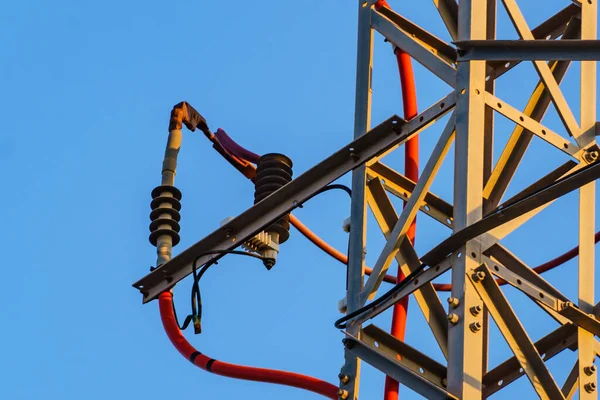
[231,146]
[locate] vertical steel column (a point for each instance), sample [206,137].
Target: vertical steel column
[587,205]
[350,374]
[466,347]
[488,159]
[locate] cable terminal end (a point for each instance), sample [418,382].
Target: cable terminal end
[197,325]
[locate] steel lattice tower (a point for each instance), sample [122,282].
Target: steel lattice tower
[479,216]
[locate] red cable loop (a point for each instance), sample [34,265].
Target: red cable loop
[165,303]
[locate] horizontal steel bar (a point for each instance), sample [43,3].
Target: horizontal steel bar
[552,28]
[388,134]
[513,211]
[395,370]
[409,357]
[520,50]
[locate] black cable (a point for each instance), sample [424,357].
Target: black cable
[196,296]
[340,323]
[332,187]
[196,299]
[327,188]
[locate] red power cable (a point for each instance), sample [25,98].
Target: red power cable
[411,169]
[165,304]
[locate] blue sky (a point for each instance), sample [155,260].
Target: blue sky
[88,90]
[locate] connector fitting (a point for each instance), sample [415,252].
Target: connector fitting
[185,114]
[273,171]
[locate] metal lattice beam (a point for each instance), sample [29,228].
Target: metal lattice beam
[470,62]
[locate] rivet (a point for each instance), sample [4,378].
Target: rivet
[343,394]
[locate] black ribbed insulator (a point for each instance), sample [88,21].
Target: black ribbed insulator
[272,172]
[165,213]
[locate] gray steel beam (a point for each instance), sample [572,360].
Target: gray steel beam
[550,29]
[350,372]
[532,50]
[396,370]
[467,349]
[405,355]
[386,135]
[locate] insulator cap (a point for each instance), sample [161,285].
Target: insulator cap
[165,215]
[273,171]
